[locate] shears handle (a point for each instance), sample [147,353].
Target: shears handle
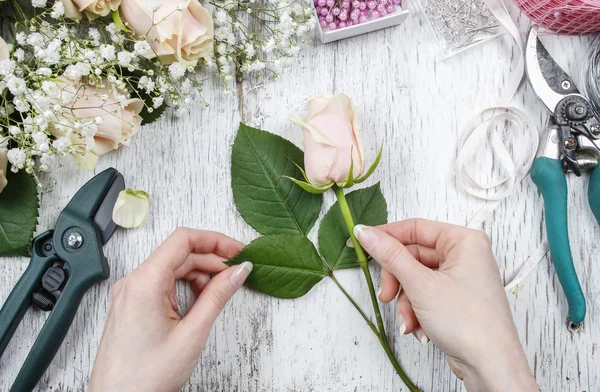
[594,193]
[20,298]
[54,331]
[79,278]
[547,173]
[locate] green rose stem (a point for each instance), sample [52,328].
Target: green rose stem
[362,260]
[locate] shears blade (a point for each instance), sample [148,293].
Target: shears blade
[549,81]
[103,217]
[95,202]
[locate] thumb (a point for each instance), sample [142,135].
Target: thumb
[198,322]
[392,255]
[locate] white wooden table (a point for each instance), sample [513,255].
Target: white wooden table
[416,106]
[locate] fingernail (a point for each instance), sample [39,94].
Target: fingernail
[366,236]
[241,273]
[402,328]
[379,292]
[420,335]
[402,324]
[349,243]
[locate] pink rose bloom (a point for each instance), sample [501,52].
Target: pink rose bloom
[4,50]
[331,140]
[185,36]
[91,8]
[3,167]
[119,118]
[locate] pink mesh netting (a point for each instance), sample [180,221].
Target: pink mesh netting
[564,16]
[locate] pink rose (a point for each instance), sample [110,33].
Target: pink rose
[91,8]
[115,119]
[3,167]
[331,140]
[184,36]
[4,50]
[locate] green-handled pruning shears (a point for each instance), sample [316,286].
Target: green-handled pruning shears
[65,263]
[568,144]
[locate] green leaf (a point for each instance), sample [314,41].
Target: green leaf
[146,115]
[285,266]
[269,202]
[368,207]
[18,214]
[116,17]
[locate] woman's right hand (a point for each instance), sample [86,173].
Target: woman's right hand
[449,289]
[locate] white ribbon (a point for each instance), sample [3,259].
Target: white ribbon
[482,127]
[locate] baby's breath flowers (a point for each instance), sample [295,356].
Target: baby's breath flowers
[83,86]
[239,50]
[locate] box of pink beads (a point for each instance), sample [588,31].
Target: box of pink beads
[339,19]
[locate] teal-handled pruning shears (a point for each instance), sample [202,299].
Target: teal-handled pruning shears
[65,263]
[568,144]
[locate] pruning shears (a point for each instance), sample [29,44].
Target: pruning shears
[65,263]
[568,144]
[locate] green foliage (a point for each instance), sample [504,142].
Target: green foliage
[266,199]
[285,266]
[286,263]
[368,207]
[18,214]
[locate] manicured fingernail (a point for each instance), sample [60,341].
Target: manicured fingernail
[379,292]
[420,335]
[349,243]
[402,324]
[241,273]
[366,236]
[402,328]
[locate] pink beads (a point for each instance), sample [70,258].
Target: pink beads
[339,14]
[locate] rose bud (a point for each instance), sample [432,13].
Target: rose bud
[332,147]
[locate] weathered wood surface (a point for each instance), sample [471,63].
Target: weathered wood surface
[416,106]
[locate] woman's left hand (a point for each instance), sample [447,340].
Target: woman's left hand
[146,345]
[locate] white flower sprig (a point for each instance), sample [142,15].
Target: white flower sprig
[64,81]
[280,27]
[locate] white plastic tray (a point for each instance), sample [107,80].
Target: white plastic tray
[371,25]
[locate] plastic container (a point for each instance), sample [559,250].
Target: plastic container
[456,30]
[389,20]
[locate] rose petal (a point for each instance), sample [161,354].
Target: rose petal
[131,208]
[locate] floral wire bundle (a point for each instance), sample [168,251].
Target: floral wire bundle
[82,86]
[591,78]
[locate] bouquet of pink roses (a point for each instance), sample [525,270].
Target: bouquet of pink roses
[79,78]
